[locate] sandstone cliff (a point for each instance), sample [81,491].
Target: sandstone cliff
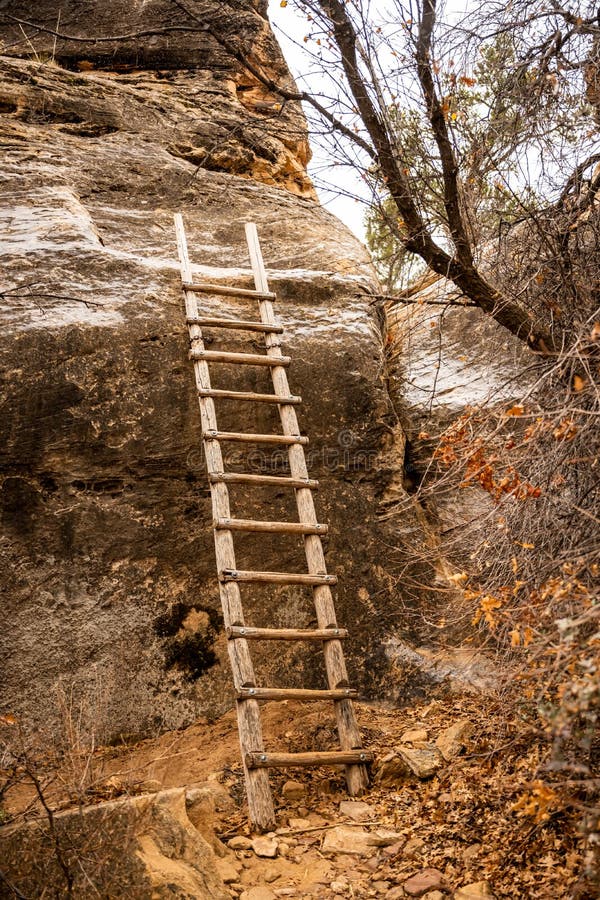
[107,562]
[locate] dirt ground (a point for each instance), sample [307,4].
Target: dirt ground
[486,817]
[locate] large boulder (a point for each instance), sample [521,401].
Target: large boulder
[143,847]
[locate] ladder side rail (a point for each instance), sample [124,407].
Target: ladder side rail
[224,547]
[349,734]
[260,801]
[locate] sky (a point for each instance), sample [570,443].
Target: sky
[289,26]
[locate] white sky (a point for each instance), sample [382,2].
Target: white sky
[288,26]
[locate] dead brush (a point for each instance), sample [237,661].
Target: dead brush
[527,568]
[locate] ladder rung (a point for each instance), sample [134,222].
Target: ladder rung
[254,693]
[249,395]
[207,287]
[237,324]
[246,478]
[285,634]
[245,437]
[258,760]
[275,577]
[282,527]
[244,359]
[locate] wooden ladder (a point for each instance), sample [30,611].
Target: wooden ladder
[255,759]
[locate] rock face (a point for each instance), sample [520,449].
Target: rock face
[107,563]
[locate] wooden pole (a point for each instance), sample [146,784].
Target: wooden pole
[337,677]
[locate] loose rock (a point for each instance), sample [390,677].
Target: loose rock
[452,740]
[424,881]
[478,890]
[393,849]
[228,872]
[258,893]
[415,734]
[356,810]
[413,847]
[391,770]
[239,842]
[396,893]
[384,838]
[293,790]
[423,763]
[355,841]
[265,846]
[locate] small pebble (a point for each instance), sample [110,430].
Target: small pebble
[239,842]
[293,790]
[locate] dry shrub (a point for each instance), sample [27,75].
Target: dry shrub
[527,563]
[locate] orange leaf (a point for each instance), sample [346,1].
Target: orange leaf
[578,383]
[515,411]
[458,577]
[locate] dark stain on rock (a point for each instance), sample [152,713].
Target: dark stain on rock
[20,504]
[412,476]
[39,415]
[112,486]
[7,107]
[191,651]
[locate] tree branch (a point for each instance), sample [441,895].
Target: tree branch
[437,118]
[460,268]
[297,96]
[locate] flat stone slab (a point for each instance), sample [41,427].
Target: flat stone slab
[354,841]
[477,890]
[423,763]
[265,846]
[357,810]
[424,881]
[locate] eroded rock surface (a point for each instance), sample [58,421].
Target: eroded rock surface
[107,560]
